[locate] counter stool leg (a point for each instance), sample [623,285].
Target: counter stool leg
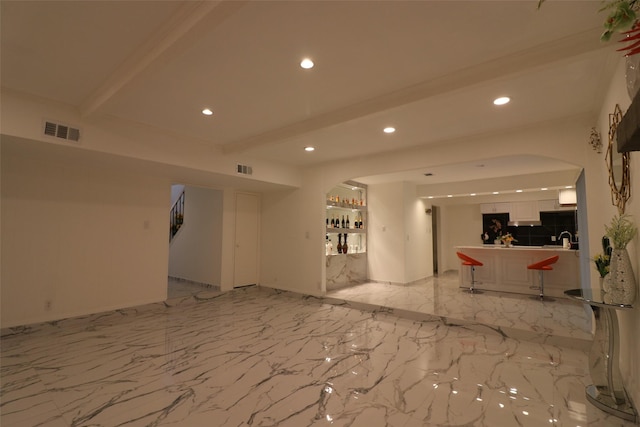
[541,284]
[472,289]
[541,296]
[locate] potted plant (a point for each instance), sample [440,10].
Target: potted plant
[620,283]
[603,260]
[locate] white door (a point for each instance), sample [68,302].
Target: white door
[246,239]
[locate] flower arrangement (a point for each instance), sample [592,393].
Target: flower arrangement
[621,231]
[602,264]
[622,18]
[603,260]
[507,239]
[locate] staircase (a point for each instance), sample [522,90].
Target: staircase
[176,217]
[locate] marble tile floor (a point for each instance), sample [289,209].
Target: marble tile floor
[259,357]
[180,288]
[518,316]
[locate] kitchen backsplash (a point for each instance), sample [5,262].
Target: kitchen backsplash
[553,223]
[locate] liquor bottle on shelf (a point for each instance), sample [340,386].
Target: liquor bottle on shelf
[348,221]
[333,221]
[339,248]
[327,221]
[329,246]
[343,223]
[357,224]
[345,247]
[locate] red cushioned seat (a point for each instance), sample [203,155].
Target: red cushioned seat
[467,260]
[545,264]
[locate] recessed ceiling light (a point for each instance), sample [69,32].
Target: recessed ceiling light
[389,129]
[544,189]
[502,100]
[309,148]
[449,195]
[306,63]
[207,112]
[472,194]
[496,192]
[569,186]
[518,191]
[430,197]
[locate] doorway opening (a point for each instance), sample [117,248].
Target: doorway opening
[195,241]
[435,211]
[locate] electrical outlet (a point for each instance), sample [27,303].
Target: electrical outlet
[48,304]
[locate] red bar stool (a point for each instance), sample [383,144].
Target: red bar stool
[473,263]
[543,266]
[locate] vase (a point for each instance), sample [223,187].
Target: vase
[620,284]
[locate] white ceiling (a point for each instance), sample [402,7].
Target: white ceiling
[429,68]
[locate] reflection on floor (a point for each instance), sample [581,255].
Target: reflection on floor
[259,357]
[518,316]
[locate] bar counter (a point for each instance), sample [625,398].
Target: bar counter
[505,269]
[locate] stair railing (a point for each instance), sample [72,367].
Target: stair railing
[176,217]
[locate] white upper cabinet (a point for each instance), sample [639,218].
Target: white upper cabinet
[489,208]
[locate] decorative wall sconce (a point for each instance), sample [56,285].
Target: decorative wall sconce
[595,140]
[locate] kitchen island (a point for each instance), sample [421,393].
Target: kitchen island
[505,269]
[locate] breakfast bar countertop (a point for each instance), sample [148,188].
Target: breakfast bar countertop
[505,269]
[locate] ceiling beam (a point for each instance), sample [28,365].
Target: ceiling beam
[537,56]
[182,24]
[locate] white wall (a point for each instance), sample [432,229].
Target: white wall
[418,260]
[292,238]
[399,234]
[196,251]
[78,236]
[461,225]
[386,233]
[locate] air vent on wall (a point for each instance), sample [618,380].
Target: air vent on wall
[59,130]
[244,169]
